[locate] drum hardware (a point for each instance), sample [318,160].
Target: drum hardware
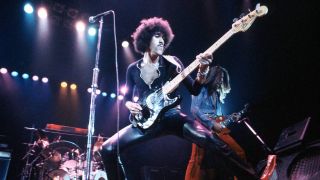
[60,159]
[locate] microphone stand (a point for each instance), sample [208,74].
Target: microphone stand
[94,87]
[264,145]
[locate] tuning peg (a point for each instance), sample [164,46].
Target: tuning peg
[235,20]
[241,15]
[258,6]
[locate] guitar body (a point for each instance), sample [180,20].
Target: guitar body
[153,107]
[222,120]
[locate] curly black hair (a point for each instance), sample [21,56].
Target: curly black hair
[147,28]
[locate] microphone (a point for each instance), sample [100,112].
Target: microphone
[93,19]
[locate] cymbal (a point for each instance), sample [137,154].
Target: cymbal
[28,144]
[57,149]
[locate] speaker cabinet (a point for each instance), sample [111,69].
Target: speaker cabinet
[292,136]
[5,158]
[300,164]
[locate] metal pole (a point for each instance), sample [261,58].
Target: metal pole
[94,87]
[257,136]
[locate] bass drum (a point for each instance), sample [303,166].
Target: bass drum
[97,168]
[97,175]
[58,174]
[100,175]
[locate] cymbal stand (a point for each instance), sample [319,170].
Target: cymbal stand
[26,171]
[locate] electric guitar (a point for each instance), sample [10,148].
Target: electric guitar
[225,121]
[158,102]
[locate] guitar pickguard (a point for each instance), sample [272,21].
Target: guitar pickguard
[153,107]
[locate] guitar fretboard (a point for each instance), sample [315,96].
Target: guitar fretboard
[173,84]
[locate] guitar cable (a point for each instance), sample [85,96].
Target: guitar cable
[117,101]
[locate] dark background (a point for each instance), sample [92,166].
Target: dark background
[273,66]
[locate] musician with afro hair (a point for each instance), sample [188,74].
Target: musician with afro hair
[157,113]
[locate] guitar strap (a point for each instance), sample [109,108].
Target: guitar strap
[174,62]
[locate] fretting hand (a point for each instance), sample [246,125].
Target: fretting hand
[205,60]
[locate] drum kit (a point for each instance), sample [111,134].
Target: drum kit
[61,160]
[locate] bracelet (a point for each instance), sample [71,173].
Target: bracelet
[203,73]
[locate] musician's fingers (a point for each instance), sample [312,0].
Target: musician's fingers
[133,106]
[136,106]
[134,111]
[199,56]
[205,61]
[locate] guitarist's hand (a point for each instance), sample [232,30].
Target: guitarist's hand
[217,127]
[205,60]
[235,117]
[134,108]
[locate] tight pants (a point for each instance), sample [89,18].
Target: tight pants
[172,123]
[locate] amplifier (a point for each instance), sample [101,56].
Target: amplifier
[5,158]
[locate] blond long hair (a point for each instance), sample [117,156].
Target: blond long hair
[214,84]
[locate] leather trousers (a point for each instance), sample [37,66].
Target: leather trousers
[172,123]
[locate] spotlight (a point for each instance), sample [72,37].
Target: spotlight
[123,89]
[135,99]
[80,26]
[45,80]
[125,44]
[63,84]
[42,13]
[3,70]
[89,90]
[120,97]
[25,76]
[35,78]
[104,94]
[73,86]
[14,73]
[92,31]
[28,8]
[113,95]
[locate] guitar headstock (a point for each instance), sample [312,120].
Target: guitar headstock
[246,21]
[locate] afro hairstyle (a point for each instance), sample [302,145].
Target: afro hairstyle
[147,28]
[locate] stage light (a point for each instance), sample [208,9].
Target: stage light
[98,91]
[63,84]
[125,44]
[28,8]
[135,99]
[113,95]
[123,89]
[42,13]
[35,78]
[25,76]
[73,86]
[14,73]
[80,26]
[45,80]
[104,94]
[120,97]
[3,70]
[92,31]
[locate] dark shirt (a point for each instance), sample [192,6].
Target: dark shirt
[136,86]
[205,107]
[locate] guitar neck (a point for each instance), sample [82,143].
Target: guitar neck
[173,84]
